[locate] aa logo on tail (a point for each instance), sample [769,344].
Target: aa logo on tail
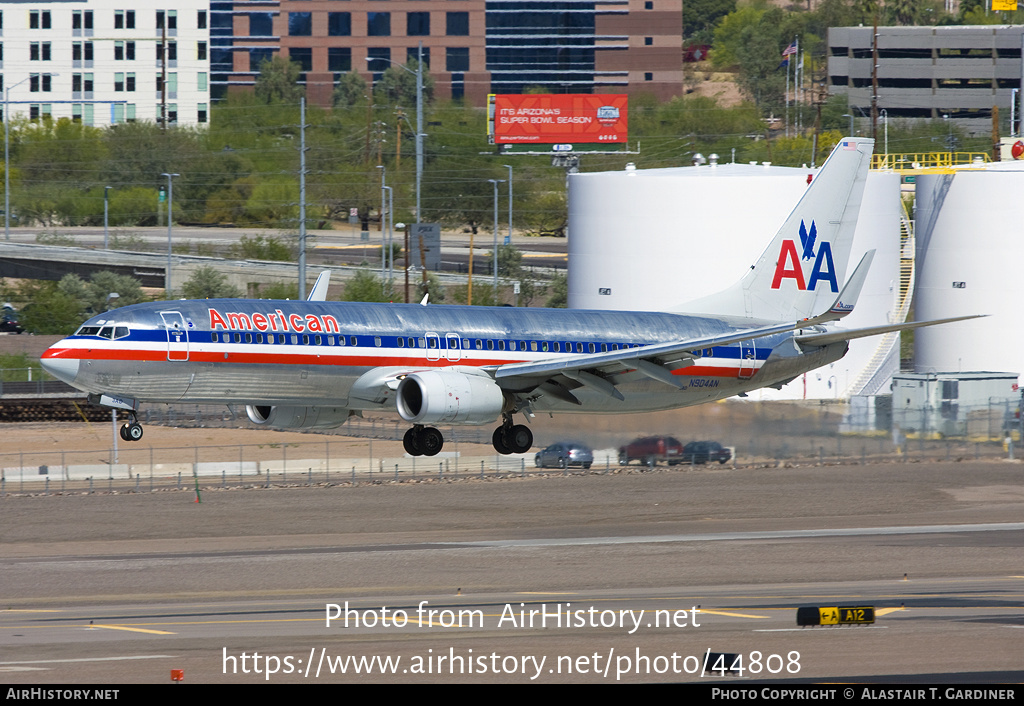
[790,263]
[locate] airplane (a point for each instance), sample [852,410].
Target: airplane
[312,364]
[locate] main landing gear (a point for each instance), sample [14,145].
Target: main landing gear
[509,438]
[512,438]
[423,441]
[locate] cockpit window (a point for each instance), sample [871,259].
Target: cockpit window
[106,332]
[120,331]
[88,331]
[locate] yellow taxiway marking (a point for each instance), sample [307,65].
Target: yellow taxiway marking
[343,247]
[546,593]
[122,627]
[886,611]
[558,255]
[729,614]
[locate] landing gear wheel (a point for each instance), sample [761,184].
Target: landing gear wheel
[431,441]
[519,439]
[134,432]
[498,441]
[412,442]
[123,431]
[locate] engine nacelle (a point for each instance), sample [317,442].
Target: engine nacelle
[437,396]
[297,417]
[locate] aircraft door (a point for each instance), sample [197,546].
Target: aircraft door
[748,356]
[453,346]
[433,346]
[177,335]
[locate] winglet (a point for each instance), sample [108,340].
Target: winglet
[426,297]
[849,294]
[319,291]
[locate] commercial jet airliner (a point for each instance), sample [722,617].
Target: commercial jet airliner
[312,364]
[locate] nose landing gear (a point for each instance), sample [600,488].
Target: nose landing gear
[131,431]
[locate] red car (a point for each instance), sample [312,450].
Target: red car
[650,450]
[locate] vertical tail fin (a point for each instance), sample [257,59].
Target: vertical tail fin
[802,270]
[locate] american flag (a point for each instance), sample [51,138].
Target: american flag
[849,145]
[790,50]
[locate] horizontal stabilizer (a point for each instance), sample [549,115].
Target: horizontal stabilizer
[824,339]
[847,298]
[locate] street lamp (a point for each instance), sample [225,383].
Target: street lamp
[383,219]
[508,238]
[106,217]
[170,221]
[7,157]
[419,116]
[496,182]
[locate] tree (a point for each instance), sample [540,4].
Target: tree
[278,81]
[397,85]
[559,291]
[207,283]
[365,286]
[350,91]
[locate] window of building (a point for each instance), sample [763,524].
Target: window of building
[412,54]
[300,24]
[129,82]
[201,117]
[119,82]
[378,24]
[39,19]
[172,51]
[81,22]
[339,59]
[303,56]
[129,113]
[257,55]
[201,19]
[457,24]
[124,19]
[87,84]
[76,113]
[456,59]
[39,51]
[117,113]
[648,76]
[417,24]
[648,41]
[172,113]
[201,51]
[339,24]
[119,51]
[379,59]
[261,24]
[172,20]
[201,81]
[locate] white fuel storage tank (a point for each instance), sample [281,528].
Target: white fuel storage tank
[969,255]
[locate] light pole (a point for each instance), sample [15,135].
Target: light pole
[508,238]
[391,233]
[419,116]
[885,122]
[7,157]
[106,218]
[496,182]
[383,220]
[170,222]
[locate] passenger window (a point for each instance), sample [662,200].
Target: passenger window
[238,338]
[465,343]
[533,346]
[412,342]
[604,347]
[591,347]
[376,341]
[501,345]
[579,347]
[479,344]
[558,347]
[353,341]
[432,343]
[295,339]
[215,337]
[248,338]
[544,346]
[423,342]
[319,340]
[330,340]
[511,345]
[401,342]
[305,339]
[490,344]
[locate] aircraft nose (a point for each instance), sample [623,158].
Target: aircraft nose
[65,369]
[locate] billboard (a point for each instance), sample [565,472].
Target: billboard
[543,119]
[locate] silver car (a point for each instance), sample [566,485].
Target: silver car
[564,454]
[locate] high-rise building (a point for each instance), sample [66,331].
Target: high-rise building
[473,47]
[104,62]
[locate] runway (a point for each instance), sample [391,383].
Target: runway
[632,577]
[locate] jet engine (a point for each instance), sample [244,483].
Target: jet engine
[297,417]
[436,396]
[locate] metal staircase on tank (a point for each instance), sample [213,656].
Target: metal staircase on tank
[883,364]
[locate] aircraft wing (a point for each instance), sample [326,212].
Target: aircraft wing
[594,369]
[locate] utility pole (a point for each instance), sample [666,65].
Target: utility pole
[302,198]
[874,81]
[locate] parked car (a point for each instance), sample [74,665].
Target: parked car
[564,454]
[650,450]
[705,451]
